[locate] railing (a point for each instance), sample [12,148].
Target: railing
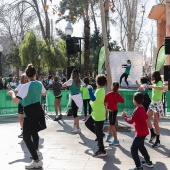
[7,107]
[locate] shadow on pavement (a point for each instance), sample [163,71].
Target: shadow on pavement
[66,128]
[161,166]
[110,159]
[25,159]
[87,142]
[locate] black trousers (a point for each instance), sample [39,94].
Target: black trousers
[97,128]
[125,76]
[33,123]
[138,144]
[31,139]
[146,102]
[85,103]
[74,109]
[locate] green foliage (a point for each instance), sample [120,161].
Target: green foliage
[52,54]
[28,50]
[113,46]
[95,44]
[75,9]
[13,57]
[95,40]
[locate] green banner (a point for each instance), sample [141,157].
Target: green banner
[102,58]
[161,57]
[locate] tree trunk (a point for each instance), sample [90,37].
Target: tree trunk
[86,46]
[39,18]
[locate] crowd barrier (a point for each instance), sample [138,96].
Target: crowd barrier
[7,107]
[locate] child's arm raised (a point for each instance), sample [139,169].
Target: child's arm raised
[92,97]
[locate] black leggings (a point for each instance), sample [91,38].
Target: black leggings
[126,76]
[74,109]
[31,139]
[85,103]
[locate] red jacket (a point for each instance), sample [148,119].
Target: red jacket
[138,119]
[112,99]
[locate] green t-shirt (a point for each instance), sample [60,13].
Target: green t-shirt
[99,111]
[7,80]
[145,91]
[85,92]
[30,93]
[157,94]
[127,70]
[74,89]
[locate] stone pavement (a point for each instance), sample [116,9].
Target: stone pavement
[61,150]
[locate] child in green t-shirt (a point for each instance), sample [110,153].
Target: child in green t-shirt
[96,120]
[86,97]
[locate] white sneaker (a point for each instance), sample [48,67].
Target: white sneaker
[74,127]
[75,130]
[34,165]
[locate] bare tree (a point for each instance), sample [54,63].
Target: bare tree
[14,24]
[130,22]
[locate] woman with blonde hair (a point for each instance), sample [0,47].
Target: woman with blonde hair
[23,80]
[57,94]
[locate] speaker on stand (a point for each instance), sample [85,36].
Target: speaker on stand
[69,71]
[167,75]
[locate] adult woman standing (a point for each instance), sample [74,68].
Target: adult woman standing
[57,94]
[34,119]
[77,102]
[20,106]
[155,107]
[126,73]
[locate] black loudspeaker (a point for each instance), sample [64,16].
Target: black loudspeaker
[167,45]
[69,71]
[167,73]
[72,45]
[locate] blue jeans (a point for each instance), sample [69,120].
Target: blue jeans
[138,144]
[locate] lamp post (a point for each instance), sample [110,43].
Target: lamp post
[76,40]
[1,49]
[39,59]
[68,32]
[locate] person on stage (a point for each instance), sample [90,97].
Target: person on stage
[126,73]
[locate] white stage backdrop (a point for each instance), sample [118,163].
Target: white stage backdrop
[119,58]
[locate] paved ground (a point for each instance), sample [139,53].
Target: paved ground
[62,150]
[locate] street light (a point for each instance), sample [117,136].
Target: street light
[39,58]
[69,29]
[1,49]
[68,32]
